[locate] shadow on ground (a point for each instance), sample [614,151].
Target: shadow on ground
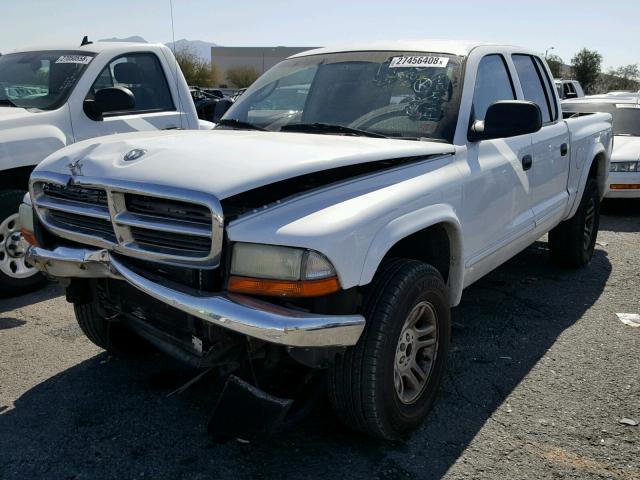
[11,303]
[113,419]
[620,215]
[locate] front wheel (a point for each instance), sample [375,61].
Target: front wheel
[16,276]
[385,384]
[572,242]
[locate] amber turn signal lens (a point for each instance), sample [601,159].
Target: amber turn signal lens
[283,288]
[29,237]
[625,186]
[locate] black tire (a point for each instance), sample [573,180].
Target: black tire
[12,285]
[572,242]
[361,383]
[110,335]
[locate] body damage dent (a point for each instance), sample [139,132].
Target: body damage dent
[262,196]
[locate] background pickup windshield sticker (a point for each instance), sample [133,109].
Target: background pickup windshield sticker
[419,61]
[83,59]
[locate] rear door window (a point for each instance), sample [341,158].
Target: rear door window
[548,87]
[531,83]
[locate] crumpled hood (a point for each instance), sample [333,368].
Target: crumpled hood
[625,149]
[227,162]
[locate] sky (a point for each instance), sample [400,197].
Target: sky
[606,26]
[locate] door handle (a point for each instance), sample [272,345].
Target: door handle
[564,149]
[527,162]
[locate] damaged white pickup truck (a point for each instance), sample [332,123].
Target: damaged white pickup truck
[330,221]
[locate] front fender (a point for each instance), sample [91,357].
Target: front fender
[26,146]
[410,223]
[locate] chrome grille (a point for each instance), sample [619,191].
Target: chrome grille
[172,242]
[83,223]
[92,196]
[165,208]
[174,226]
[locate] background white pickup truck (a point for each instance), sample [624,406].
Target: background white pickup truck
[624,107]
[331,220]
[53,97]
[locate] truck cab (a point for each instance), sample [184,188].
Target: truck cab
[331,220]
[568,89]
[56,96]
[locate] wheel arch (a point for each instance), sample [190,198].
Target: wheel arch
[432,234]
[597,169]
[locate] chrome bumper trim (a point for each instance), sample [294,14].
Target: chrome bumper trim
[244,315]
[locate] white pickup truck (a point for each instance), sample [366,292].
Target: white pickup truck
[331,219]
[53,97]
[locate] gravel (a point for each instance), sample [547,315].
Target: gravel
[542,383]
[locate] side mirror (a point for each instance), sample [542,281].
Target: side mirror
[507,118]
[112,99]
[570,95]
[221,108]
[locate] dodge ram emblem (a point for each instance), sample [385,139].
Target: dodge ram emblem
[75,168]
[134,154]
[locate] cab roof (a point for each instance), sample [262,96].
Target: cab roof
[451,47]
[95,47]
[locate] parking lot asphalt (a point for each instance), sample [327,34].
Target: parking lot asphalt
[540,376]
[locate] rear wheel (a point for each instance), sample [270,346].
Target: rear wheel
[385,384]
[572,242]
[16,275]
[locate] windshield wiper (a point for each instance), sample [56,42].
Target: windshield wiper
[232,122]
[328,128]
[6,101]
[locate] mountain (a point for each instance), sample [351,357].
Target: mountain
[135,38]
[200,48]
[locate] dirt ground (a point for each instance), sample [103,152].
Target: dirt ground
[541,374]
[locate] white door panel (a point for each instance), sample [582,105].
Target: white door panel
[496,205]
[87,128]
[550,171]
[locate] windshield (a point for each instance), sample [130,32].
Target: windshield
[626,116]
[396,94]
[41,80]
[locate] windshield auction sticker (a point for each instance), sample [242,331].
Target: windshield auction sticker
[82,59]
[418,62]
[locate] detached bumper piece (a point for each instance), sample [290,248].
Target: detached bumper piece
[246,412]
[245,315]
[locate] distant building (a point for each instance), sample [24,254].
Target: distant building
[260,58]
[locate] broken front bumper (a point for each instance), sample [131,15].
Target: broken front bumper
[241,314]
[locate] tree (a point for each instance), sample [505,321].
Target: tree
[196,70]
[242,77]
[626,77]
[555,65]
[586,68]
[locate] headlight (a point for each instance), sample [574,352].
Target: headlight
[280,271]
[624,167]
